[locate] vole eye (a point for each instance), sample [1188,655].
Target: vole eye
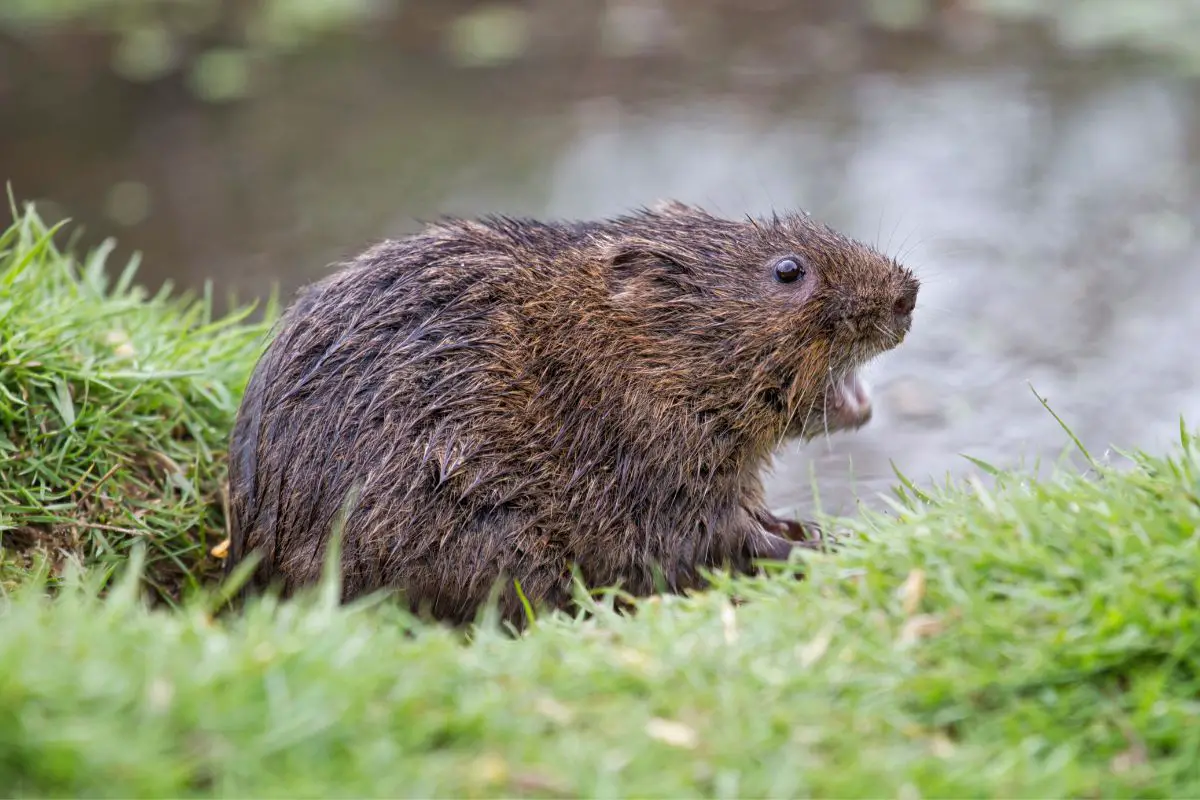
[788,270]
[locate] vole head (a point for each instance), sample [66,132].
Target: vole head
[771,316]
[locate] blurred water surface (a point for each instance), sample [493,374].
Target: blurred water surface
[1049,201]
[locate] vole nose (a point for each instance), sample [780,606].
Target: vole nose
[906,302]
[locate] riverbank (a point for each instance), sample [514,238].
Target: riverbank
[1028,639]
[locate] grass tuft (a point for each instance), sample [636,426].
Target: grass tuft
[114,410]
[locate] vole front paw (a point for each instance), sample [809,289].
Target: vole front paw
[806,534]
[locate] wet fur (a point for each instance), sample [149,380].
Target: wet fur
[508,398]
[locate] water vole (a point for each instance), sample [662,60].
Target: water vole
[501,399]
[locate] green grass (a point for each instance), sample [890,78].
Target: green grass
[114,412]
[1033,639]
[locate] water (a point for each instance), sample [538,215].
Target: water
[1050,207]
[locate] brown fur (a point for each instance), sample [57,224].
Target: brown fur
[508,398]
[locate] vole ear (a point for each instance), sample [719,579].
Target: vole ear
[654,271]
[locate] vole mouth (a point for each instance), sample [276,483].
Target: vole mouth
[847,403]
